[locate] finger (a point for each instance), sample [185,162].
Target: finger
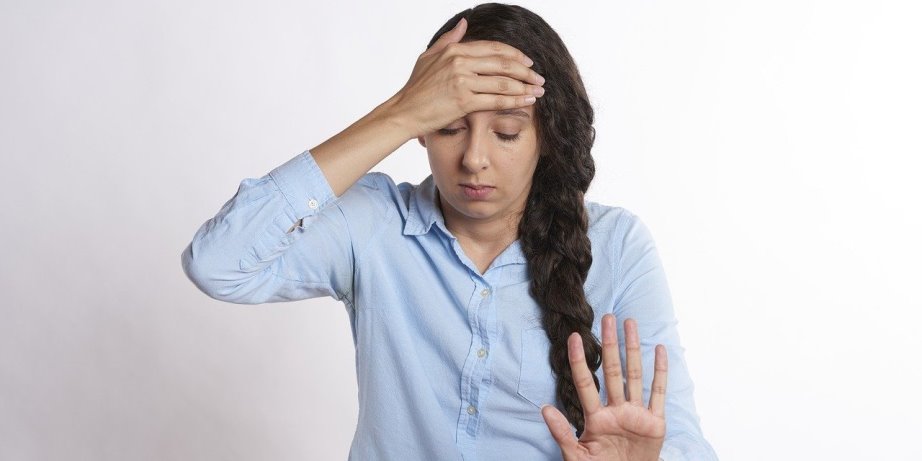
[502,85]
[634,368]
[658,394]
[582,376]
[453,35]
[485,101]
[611,360]
[559,427]
[503,65]
[484,48]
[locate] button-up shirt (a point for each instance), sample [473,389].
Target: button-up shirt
[451,363]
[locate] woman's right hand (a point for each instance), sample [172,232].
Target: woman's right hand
[452,79]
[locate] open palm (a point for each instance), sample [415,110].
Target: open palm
[623,429]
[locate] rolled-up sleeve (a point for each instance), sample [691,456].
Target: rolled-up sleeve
[281,237]
[643,294]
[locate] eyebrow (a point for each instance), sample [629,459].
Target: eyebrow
[512,112]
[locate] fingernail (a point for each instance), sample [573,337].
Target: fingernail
[528,61]
[540,80]
[538,91]
[529,99]
[459,23]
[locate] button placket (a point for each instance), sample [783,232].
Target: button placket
[477,380]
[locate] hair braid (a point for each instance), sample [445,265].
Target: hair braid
[553,231]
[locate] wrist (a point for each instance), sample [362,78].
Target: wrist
[392,114]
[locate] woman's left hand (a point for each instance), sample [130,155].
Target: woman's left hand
[623,429]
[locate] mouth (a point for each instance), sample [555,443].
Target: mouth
[476,191]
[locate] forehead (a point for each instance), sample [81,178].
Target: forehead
[524,113]
[521,113]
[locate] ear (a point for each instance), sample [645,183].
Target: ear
[422,140]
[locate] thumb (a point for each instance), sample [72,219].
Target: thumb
[453,35]
[559,428]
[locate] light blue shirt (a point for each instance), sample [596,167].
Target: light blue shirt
[451,364]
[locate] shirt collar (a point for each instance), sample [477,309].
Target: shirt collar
[424,212]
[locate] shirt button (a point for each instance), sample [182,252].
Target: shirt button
[481,352]
[471,410]
[485,292]
[312,203]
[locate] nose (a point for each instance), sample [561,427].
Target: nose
[476,157]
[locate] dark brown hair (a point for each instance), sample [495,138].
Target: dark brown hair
[553,229]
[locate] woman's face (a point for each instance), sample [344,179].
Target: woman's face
[483,164]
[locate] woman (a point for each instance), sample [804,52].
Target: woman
[476,297]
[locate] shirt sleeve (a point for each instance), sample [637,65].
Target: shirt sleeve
[643,294]
[281,237]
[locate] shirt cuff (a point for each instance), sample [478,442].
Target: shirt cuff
[303,184]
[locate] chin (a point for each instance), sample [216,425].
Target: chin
[475,209]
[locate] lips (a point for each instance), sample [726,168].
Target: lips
[476,191]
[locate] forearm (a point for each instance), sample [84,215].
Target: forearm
[250,253]
[351,153]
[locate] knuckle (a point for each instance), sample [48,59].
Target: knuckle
[505,63]
[613,374]
[499,103]
[458,81]
[634,373]
[457,62]
[496,46]
[463,103]
[661,390]
[503,85]
[583,381]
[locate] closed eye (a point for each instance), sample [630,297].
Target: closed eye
[502,136]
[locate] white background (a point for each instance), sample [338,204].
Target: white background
[772,148]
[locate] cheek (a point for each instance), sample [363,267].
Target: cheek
[521,161]
[440,147]
[441,162]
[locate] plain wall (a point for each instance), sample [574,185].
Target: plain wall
[772,147]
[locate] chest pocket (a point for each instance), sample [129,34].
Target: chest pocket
[537,383]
